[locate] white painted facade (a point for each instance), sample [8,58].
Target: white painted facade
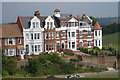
[98,38]
[33,37]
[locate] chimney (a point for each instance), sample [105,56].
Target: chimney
[37,14]
[84,17]
[78,16]
[70,15]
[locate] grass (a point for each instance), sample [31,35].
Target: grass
[111,39]
[103,76]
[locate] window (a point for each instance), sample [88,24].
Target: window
[27,48]
[62,24]
[96,42]
[63,34]
[11,52]
[38,37]
[19,40]
[58,47]
[69,45]
[95,33]
[35,36]
[52,35]
[38,47]
[32,36]
[51,25]
[10,41]
[99,33]
[73,34]
[73,45]
[49,47]
[46,47]
[80,24]
[62,45]
[99,42]
[33,24]
[53,47]
[47,25]
[49,35]
[58,35]
[46,35]
[89,33]
[27,36]
[89,43]
[35,48]
[32,47]
[73,24]
[80,33]
[37,24]
[76,23]
[20,52]
[69,23]
[69,34]
[81,44]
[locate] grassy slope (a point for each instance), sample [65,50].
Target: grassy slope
[111,39]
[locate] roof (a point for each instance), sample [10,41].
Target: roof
[26,21]
[97,26]
[10,30]
[56,10]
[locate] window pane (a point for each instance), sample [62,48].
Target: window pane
[73,34]
[73,44]
[63,34]
[89,33]
[37,25]
[47,25]
[49,47]
[33,24]
[38,47]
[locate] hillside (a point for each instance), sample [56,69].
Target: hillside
[111,39]
[107,20]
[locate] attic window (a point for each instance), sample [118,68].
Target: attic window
[33,24]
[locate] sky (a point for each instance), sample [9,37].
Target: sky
[11,10]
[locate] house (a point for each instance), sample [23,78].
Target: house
[11,40]
[51,33]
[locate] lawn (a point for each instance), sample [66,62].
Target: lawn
[111,39]
[103,76]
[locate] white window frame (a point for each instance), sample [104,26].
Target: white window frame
[7,41]
[8,52]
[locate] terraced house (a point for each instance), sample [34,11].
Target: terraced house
[51,33]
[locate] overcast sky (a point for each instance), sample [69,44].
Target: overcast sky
[11,10]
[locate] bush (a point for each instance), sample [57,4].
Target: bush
[96,48]
[68,52]
[74,60]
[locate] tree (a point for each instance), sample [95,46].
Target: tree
[94,20]
[9,65]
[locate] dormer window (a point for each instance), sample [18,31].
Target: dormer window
[47,25]
[35,24]
[51,25]
[73,24]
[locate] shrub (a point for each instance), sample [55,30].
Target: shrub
[68,52]
[74,60]
[96,48]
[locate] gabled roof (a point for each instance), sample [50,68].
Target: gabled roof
[97,26]
[10,30]
[26,21]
